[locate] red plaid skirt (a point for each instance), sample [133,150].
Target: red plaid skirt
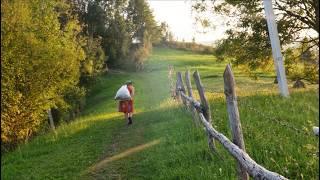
[126,106]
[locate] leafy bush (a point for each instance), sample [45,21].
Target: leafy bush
[71,106]
[39,62]
[303,65]
[94,63]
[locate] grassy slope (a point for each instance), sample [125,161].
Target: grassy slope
[163,142]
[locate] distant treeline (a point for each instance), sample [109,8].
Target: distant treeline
[188,46]
[53,52]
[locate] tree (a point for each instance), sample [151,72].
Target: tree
[144,30]
[193,40]
[93,19]
[39,63]
[248,42]
[165,33]
[120,24]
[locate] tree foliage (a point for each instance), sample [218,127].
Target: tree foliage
[39,63]
[248,41]
[127,29]
[166,34]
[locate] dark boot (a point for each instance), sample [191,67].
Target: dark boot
[130,120]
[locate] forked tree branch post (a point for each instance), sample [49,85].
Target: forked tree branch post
[205,107]
[234,117]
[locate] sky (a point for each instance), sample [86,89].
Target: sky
[181,21]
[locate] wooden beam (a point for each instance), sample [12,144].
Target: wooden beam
[194,103]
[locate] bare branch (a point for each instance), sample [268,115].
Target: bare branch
[303,19]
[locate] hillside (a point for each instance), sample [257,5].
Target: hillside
[163,142]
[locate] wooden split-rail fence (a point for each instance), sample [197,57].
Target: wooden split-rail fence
[201,111]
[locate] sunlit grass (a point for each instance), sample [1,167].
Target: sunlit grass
[121,155]
[98,117]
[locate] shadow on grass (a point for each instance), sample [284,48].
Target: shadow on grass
[211,76]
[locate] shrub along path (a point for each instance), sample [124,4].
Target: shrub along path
[163,143]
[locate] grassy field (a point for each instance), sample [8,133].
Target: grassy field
[163,142]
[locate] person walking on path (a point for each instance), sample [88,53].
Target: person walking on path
[126,106]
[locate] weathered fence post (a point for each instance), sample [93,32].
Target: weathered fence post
[234,118]
[178,93]
[51,119]
[171,81]
[189,88]
[205,106]
[180,87]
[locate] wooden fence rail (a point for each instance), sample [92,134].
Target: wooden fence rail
[236,148]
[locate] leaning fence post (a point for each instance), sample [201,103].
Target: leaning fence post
[189,88]
[205,106]
[171,81]
[180,87]
[178,96]
[234,118]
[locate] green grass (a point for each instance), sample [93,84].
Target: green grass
[163,142]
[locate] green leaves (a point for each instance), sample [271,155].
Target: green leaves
[39,62]
[247,42]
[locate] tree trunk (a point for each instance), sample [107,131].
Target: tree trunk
[51,119]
